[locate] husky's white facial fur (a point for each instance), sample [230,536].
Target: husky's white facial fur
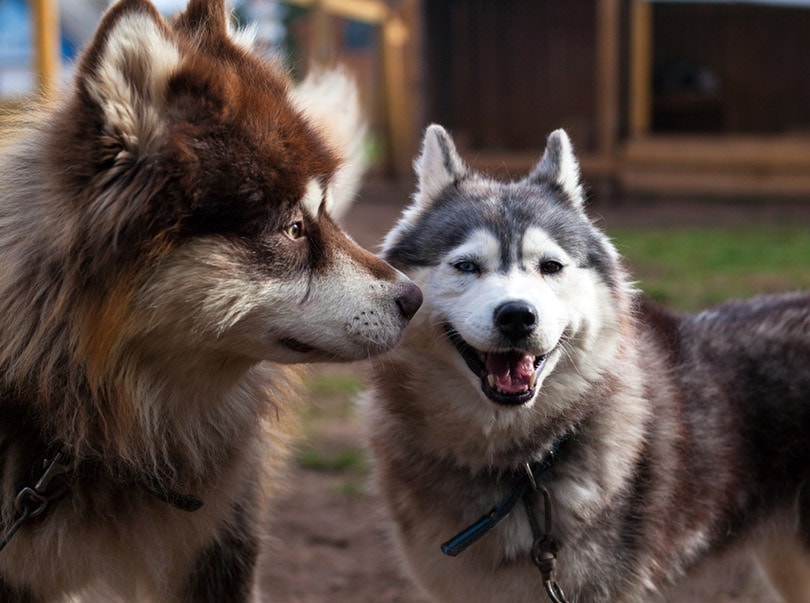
[510,296]
[468,299]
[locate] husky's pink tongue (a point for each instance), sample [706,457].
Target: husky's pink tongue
[511,371]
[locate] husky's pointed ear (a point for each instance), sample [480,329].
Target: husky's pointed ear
[559,166]
[437,167]
[124,74]
[438,164]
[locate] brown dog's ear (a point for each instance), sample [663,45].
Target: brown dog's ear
[207,23]
[124,75]
[204,17]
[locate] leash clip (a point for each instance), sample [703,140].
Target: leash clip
[34,500]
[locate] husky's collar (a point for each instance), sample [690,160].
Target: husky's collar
[526,479]
[545,546]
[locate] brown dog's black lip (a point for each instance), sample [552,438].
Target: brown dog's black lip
[297,346]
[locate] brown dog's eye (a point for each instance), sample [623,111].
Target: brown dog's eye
[295,230]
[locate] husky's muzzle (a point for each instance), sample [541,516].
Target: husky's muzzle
[508,376]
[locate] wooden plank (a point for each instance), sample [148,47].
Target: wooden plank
[779,153]
[45,15]
[607,76]
[322,43]
[397,95]
[671,182]
[641,37]
[730,165]
[372,12]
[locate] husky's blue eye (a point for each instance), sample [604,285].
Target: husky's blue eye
[550,267]
[467,267]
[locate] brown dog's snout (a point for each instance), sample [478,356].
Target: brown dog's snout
[409,300]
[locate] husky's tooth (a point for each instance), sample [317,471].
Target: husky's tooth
[533,380]
[491,380]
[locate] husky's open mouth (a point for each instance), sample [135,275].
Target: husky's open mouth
[508,377]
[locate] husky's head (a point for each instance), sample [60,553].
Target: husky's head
[517,280]
[179,202]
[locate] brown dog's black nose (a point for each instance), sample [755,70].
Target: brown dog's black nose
[409,300]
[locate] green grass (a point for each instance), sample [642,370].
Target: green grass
[325,449]
[333,396]
[346,460]
[336,386]
[691,268]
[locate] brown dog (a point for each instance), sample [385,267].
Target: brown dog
[167,249]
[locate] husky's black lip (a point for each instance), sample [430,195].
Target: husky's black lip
[473,359]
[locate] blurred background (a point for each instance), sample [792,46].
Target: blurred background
[688,116]
[684,96]
[691,120]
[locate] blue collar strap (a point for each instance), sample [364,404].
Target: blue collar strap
[523,483]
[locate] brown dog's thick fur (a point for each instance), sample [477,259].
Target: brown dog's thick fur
[167,250]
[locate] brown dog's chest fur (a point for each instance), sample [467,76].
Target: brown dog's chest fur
[118,520]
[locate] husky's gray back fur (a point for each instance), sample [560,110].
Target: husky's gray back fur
[683,437]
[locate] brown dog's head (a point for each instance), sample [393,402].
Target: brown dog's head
[192,189]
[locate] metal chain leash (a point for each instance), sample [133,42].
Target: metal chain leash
[545,547]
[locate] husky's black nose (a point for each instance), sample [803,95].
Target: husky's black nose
[515,319]
[409,300]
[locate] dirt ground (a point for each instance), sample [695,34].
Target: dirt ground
[329,541]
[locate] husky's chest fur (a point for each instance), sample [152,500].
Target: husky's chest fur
[685,437]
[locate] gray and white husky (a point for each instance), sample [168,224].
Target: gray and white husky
[643,443]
